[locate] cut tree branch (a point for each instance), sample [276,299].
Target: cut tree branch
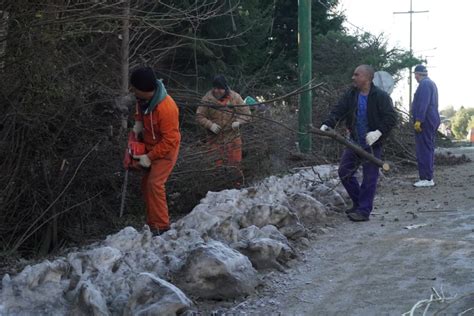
[361,152]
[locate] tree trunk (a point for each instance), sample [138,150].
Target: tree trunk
[3,37]
[125,64]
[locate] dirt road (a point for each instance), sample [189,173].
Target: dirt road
[380,267]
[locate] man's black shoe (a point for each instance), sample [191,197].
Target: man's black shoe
[357,217]
[350,210]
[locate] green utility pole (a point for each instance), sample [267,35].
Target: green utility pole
[305,69]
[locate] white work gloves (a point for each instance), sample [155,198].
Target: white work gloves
[138,128]
[372,137]
[144,161]
[235,126]
[215,128]
[324,128]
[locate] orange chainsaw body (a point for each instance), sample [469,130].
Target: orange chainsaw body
[134,148]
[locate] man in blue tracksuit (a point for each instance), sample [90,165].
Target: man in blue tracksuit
[369,116]
[426,117]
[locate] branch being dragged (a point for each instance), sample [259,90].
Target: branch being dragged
[360,151]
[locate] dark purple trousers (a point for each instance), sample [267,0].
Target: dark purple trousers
[362,195]
[425,146]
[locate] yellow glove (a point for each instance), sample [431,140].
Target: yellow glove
[418,126]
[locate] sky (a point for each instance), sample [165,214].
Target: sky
[443,36]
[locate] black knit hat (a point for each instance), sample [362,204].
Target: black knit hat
[220,82]
[143,79]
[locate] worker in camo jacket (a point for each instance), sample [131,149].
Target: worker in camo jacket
[223,124]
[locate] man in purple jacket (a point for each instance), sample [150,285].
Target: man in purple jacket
[427,120]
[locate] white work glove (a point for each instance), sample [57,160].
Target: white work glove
[372,137]
[138,128]
[144,161]
[235,126]
[215,128]
[324,128]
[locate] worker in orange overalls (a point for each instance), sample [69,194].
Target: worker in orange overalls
[157,119]
[223,124]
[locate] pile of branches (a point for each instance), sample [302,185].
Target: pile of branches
[449,159]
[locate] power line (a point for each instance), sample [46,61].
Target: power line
[411,12]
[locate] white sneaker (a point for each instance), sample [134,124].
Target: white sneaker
[424,183]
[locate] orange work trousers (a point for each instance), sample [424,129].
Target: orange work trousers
[229,153]
[154,192]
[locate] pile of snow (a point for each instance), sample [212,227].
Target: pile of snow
[214,253]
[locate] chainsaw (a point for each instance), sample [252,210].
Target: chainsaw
[134,148]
